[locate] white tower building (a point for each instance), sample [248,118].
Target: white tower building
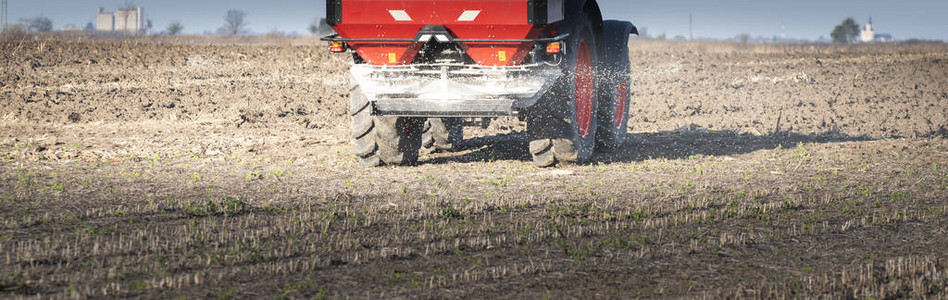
[868,33]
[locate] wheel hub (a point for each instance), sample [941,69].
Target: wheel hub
[622,93]
[584,90]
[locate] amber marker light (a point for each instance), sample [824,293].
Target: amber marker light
[337,47]
[553,47]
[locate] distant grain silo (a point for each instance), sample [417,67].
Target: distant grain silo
[123,20]
[104,21]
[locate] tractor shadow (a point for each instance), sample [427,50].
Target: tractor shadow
[638,147]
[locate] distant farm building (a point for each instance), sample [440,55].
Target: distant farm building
[869,35]
[123,20]
[72,27]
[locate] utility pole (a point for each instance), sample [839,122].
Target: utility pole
[3,14]
[691,27]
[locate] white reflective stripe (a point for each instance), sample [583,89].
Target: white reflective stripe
[442,38]
[400,15]
[425,38]
[469,15]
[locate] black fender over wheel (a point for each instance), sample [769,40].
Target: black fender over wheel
[615,92]
[383,140]
[562,127]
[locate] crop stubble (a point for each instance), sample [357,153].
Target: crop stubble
[159,168]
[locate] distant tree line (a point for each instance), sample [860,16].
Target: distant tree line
[235,23]
[37,24]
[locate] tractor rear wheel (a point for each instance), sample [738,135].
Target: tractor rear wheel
[441,134]
[616,95]
[383,140]
[562,128]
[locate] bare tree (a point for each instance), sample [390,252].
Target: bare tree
[175,28]
[313,26]
[39,24]
[320,27]
[235,22]
[743,38]
[324,27]
[846,32]
[276,32]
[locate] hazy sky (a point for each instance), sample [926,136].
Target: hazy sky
[809,19]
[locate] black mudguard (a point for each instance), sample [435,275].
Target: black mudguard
[616,34]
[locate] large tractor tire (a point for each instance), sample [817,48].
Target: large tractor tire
[441,134]
[562,128]
[383,140]
[615,94]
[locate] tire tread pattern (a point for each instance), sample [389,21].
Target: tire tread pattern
[382,140]
[440,134]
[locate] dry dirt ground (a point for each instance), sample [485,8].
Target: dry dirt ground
[160,168]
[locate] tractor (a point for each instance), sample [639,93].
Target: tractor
[424,69]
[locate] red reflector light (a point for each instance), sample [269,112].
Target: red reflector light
[337,47]
[553,47]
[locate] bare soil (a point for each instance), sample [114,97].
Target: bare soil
[159,168]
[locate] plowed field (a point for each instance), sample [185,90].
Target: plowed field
[222,168]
